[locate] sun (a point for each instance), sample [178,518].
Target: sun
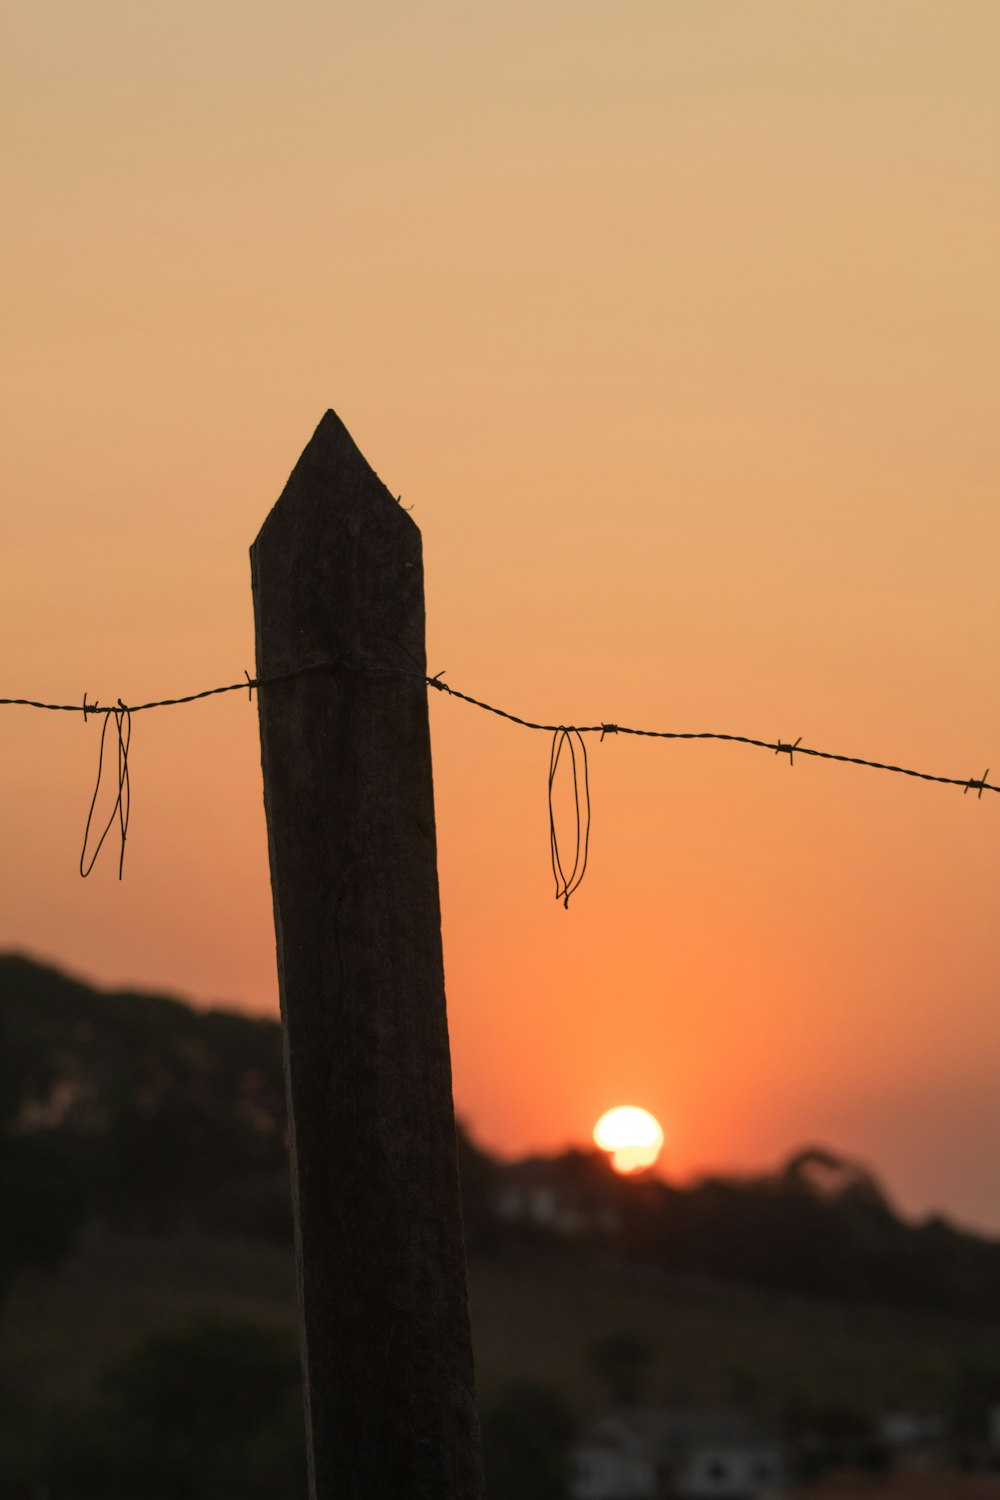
[633,1137]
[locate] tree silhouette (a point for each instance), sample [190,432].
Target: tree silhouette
[527,1430]
[623,1360]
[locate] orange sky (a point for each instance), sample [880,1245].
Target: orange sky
[679,327]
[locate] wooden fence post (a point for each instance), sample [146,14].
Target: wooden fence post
[389,1388]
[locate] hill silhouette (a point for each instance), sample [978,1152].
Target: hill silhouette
[144,1115]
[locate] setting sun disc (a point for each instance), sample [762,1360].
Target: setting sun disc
[632,1136]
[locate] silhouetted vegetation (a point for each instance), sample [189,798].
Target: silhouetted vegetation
[147,1116]
[976,1394]
[623,1360]
[835,1437]
[160,1126]
[206,1411]
[527,1431]
[136,1111]
[46,1198]
[820,1228]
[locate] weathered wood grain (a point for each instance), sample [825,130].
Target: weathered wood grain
[390,1397]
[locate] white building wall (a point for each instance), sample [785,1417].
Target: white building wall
[606,1473]
[717,1473]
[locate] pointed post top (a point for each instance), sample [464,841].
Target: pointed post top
[323,547]
[331,464]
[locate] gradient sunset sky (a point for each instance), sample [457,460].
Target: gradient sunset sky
[678,326]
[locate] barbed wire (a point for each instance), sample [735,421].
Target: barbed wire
[566,738]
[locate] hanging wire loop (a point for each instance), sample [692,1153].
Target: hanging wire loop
[570,741]
[122,716]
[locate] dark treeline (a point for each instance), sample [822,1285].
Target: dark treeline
[148,1116]
[819,1227]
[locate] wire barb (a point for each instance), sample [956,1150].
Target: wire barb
[573,740]
[122,716]
[788,750]
[979,787]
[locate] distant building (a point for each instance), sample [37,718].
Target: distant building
[989,1458]
[993,1433]
[677,1453]
[567,1195]
[914,1442]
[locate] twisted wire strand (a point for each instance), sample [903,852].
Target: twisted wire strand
[565,738]
[980,784]
[249,683]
